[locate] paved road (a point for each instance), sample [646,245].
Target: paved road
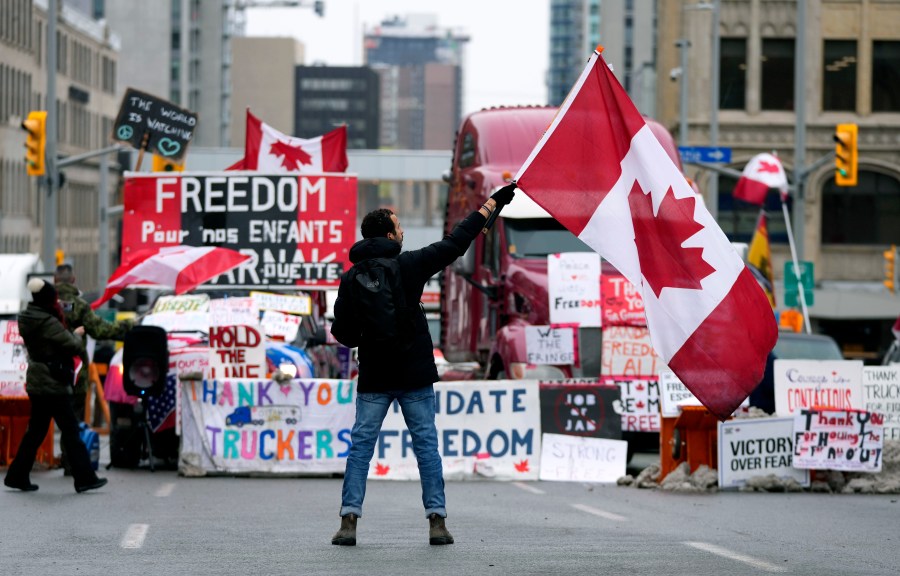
[160,523]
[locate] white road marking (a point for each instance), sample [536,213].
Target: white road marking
[527,488]
[725,553]
[165,490]
[134,536]
[598,512]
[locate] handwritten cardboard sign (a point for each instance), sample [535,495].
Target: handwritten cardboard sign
[231,311]
[674,394]
[236,351]
[838,440]
[546,345]
[574,288]
[807,384]
[627,351]
[579,459]
[160,126]
[881,393]
[751,447]
[13,360]
[276,324]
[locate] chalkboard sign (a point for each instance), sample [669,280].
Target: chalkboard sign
[168,129]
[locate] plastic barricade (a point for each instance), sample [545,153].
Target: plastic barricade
[14,413]
[692,437]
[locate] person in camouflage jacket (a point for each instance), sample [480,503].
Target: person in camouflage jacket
[52,349]
[79,313]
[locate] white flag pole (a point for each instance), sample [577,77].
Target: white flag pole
[802,296]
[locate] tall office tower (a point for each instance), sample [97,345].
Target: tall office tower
[421,70]
[329,96]
[179,50]
[627,31]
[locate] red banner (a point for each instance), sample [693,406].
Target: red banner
[297,229]
[622,304]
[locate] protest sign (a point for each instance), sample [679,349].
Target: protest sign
[572,459]
[638,403]
[486,429]
[674,394]
[574,288]
[881,393]
[621,302]
[287,303]
[232,311]
[276,324]
[13,360]
[184,313]
[546,345]
[817,383]
[751,447]
[181,303]
[150,123]
[580,408]
[838,440]
[296,228]
[627,351]
[259,426]
[236,351]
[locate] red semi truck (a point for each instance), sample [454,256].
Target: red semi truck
[500,286]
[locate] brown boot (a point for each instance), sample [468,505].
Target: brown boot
[437,532]
[346,536]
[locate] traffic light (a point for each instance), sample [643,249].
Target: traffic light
[319,7]
[162,164]
[35,142]
[890,269]
[845,155]
[60,257]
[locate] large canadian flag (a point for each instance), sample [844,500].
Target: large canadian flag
[764,171]
[601,172]
[268,150]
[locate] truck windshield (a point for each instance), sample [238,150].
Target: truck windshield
[538,237]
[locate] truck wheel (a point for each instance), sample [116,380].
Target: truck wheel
[676,444]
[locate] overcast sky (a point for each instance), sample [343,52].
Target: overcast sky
[506,57]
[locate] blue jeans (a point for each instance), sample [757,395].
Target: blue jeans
[418,411]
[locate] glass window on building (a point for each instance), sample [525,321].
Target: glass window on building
[738,218]
[777,74]
[868,213]
[839,75]
[886,76]
[733,73]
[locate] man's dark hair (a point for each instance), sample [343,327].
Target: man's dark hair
[64,273]
[377,223]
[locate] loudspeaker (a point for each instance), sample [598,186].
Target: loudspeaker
[145,361]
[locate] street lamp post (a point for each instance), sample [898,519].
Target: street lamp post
[713,198]
[682,75]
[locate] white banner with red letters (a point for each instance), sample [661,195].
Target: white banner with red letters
[297,228]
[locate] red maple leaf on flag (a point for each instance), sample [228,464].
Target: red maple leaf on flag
[639,404]
[659,238]
[293,156]
[381,469]
[522,466]
[767,167]
[639,387]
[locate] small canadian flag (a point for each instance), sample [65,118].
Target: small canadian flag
[268,150]
[764,171]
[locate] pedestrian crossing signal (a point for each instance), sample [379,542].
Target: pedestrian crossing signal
[35,142]
[845,155]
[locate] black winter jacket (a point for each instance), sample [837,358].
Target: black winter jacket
[381,370]
[46,340]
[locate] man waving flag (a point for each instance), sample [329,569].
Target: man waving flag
[601,172]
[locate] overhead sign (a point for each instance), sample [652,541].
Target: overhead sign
[751,447]
[792,283]
[708,154]
[297,229]
[155,125]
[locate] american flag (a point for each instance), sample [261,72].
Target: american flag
[161,409]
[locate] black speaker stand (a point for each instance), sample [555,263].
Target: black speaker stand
[140,412]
